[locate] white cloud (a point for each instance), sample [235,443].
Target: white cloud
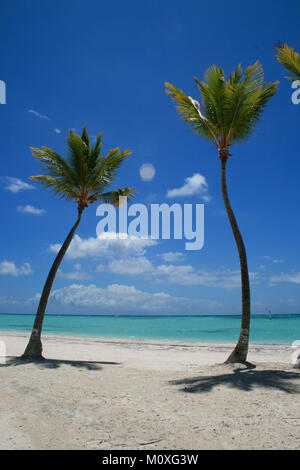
[261,267]
[39,115]
[33,300]
[15,185]
[290,301]
[178,274]
[172,257]
[119,298]
[106,245]
[276,261]
[76,275]
[124,299]
[30,210]
[188,275]
[293,277]
[100,268]
[195,184]
[58,131]
[133,266]
[8,301]
[8,268]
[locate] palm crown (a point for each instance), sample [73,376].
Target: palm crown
[85,175]
[289,59]
[230,108]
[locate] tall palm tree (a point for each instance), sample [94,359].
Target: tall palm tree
[289,59]
[84,178]
[229,112]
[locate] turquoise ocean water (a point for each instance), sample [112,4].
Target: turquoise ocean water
[210,329]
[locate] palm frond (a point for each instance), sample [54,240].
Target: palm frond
[189,111]
[77,154]
[105,170]
[54,164]
[59,186]
[290,59]
[85,137]
[245,98]
[94,155]
[212,91]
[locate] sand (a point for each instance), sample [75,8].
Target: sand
[109,394]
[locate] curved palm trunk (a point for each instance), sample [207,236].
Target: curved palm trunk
[239,354]
[34,348]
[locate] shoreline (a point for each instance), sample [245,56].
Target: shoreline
[142,353]
[149,341]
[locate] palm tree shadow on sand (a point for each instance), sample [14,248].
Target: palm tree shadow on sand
[245,379]
[56,363]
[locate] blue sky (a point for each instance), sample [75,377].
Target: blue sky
[104,64]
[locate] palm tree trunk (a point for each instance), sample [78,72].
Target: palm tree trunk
[34,348]
[239,354]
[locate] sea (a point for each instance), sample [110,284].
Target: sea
[275,329]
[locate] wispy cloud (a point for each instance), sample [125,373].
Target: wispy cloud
[289,301]
[8,268]
[8,300]
[15,185]
[172,257]
[28,209]
[276,261]
[38,115]
[195,184]
[293,277]
[188,275]
[76,275]
[131,266]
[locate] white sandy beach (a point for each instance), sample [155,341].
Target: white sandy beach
[95,393]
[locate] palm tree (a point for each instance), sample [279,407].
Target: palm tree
[83,178]
[289,59]
[230,110]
